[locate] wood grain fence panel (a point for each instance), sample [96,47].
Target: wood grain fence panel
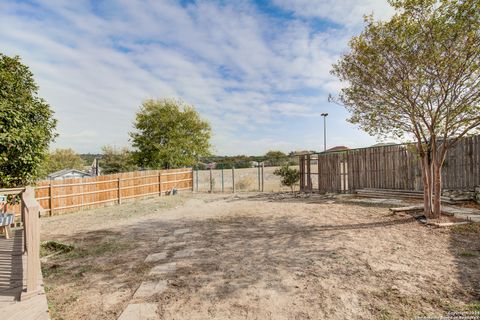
[395,167]
[87,193]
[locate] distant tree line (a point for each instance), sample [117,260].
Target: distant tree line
[273,158]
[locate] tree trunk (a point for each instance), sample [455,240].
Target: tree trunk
[439,159]
[427,185]
[437,190]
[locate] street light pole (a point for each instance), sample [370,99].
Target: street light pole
[324,115]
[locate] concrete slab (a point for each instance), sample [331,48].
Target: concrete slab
[155,257]
[150,288]
[191,235]
[176,244]
[167,239]
[459,210]
[185,253]
[140,311]
[179,232]
[383,201]
[164,268]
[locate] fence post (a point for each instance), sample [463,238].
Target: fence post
[345,172]
[309,178]
[258,176]
[302,172]
[263,178]
[119,191]
[196,180]
[211,182]
[50,201]
[318,172]
[193,185]
[160,183]
[233,178]
[32,241]
[223,189]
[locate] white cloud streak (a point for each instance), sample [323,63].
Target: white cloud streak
[248,73]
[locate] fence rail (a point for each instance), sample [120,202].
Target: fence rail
[59,196]
[388,167]
[92,192]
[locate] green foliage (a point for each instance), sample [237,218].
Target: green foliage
[289,176]
[469,253]
[54,247]
[169,134]
[26,124]
[416,74]
[62,159]
[88,158]
[226,162]
[272,158]
[276,158]
[115,161]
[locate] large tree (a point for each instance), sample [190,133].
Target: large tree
[417,76]
[276,158]
[115,161]
[169,134]
[26,124]
[62,159]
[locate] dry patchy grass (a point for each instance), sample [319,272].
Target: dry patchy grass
[262,256]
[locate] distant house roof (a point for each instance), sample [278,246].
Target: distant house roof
[300,152]
[211,165]
[338,148]
[384,144]
[68,173]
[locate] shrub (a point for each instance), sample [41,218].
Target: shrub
[289,176]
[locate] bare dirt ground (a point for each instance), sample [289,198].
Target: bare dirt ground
[262,256]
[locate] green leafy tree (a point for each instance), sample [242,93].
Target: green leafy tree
[62,159]
[289,176]
[115,161]
[26,124]
[276,158]
[417,76]
[169,134]
[88,158]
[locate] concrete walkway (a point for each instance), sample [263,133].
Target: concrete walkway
[162,269]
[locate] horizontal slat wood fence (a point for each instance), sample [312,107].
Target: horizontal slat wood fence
[60,196]
[388,167]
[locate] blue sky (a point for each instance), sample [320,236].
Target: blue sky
[257,70]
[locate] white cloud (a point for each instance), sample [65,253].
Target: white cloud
[345,12]
[245,72]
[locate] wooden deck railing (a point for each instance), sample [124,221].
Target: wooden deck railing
[31,226]
[30,214]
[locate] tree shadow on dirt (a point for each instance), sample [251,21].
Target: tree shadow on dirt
[465,248]
[233,253]
[221,257]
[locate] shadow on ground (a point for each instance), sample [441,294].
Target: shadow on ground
[376,268]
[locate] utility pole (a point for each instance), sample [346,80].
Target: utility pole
[324,115]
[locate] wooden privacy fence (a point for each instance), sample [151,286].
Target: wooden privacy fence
[388,167]
[59,196]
